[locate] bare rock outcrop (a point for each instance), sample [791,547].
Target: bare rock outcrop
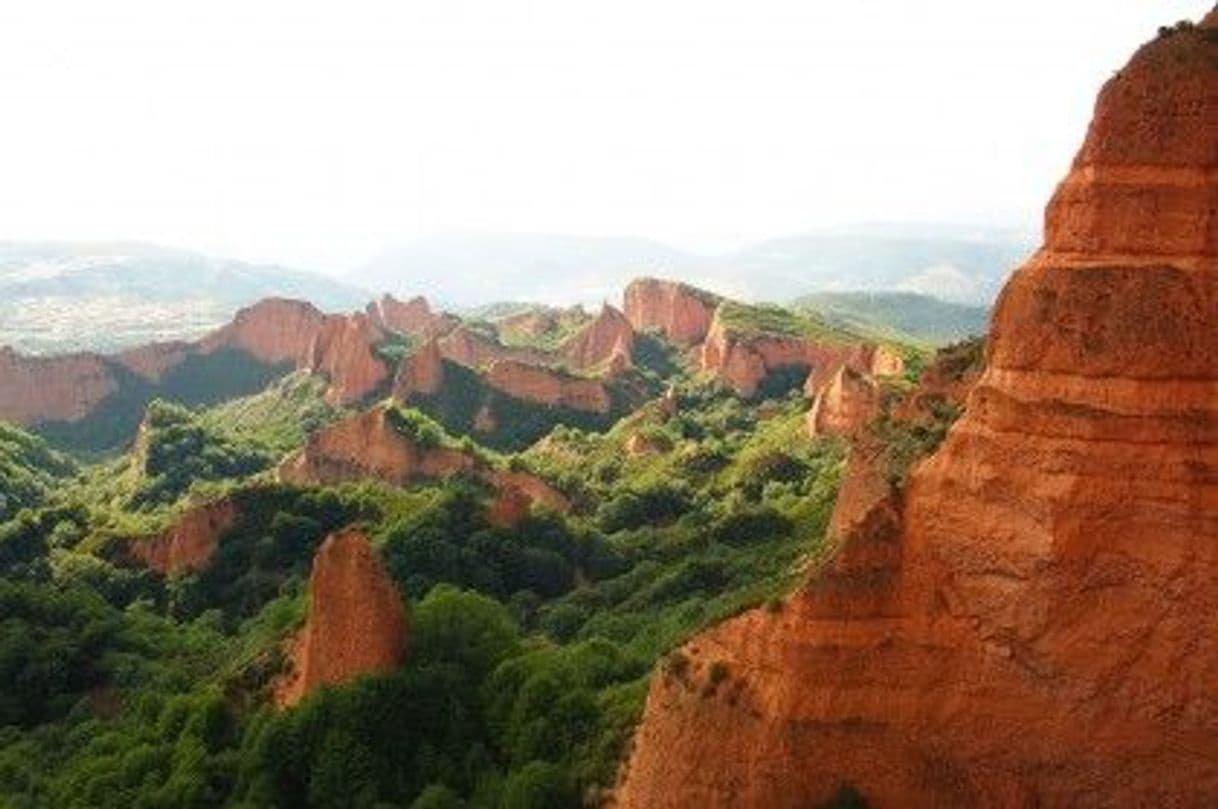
[609,339]
[414,317]
[275,330]
[357,622]
[153,361]
[744,361]
[188,545]
[547,386]
[421,371]
[64,388]
[680,312]
[344,350]
[371,445]
[844,401]
[1041,627]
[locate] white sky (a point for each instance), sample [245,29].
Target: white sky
[317,133]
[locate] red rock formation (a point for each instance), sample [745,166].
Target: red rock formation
[601,342]
[530,487]
[1043,629]
[189,544]
[153,361]
[517,493]
[368,445]
[275,330]
[843,401]
[413,317]
[546,386]
[508,509]
[745,361]
[344,350]
[474,350]
[422,371]
[40,389]
[680,312]
[357,620]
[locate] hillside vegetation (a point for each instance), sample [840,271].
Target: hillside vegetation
[531,640]
[905,316]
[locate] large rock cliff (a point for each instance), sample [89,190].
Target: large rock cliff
[548,386]
[188,545]
[357,621]
[680,312]
[344,351]
[374,445]
[598,343]
[1040,626]
[64,388]
[370,445]
[745,361]
[413,317]
[275,330]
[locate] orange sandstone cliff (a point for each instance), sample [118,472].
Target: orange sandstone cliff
[421,371]
[744,361]
[189,544]
[680,312]
[843,401]
[609,336]
[64,388]
[368,445]
[371,446]
[413,317]
[1035,621]
[547,386]
[275,330]
[344,350]
[357,620]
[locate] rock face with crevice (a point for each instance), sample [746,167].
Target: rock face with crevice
[1034,622]
[357,622]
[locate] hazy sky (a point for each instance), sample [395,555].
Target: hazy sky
[317,133]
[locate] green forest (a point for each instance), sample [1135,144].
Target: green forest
[530,646]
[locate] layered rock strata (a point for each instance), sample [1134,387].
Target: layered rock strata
[1040,625]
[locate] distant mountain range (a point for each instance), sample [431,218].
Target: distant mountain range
[906,316]
[57,297]
[951,263]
